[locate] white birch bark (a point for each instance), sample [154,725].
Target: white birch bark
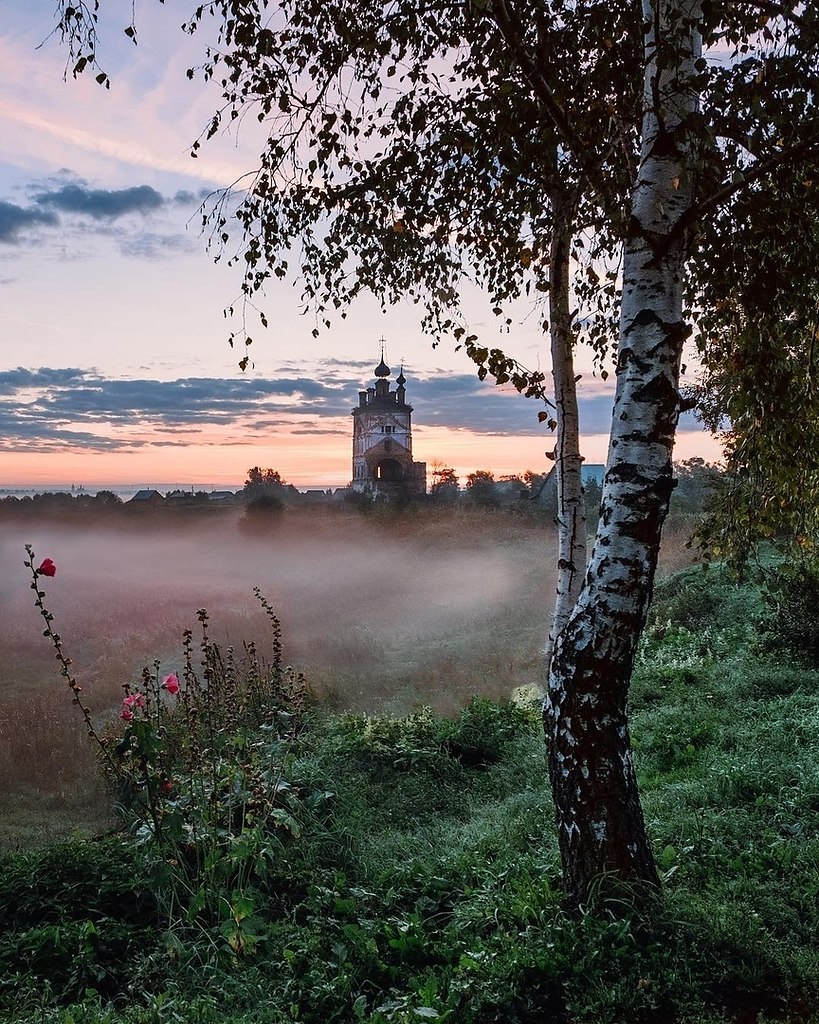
[600,821]
[571,509]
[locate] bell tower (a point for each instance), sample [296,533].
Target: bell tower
[382,438]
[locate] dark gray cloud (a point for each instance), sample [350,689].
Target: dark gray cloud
[61,408]
[101,209]
[182,402]
[13,380]
[15,219]
[23,432]
[462,401]
[68,407]
[312,431]
[101,204]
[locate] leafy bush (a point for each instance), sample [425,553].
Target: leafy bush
[476,738]
[792,624]
[71,916]
[484,728]
[706,597]
[93,879]
[264,506]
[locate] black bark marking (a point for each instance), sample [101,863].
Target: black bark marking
[644,318]
[628,473]
[659,391]
[667,146]
[627,357]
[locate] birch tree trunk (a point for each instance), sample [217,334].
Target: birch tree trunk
[571,509]
[600,821]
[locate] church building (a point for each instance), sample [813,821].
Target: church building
[382,439]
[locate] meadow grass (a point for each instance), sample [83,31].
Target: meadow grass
[384,613]
[418,876]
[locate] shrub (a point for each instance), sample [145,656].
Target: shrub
[262,511]
[484,728]
[706,597]
[200,765]
[70,916]
[792,624]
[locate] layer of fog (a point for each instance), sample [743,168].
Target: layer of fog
[380,615]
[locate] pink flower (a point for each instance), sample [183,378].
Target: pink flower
[134,700]
[167,785]
[171,684]
[126,715]
[47,568]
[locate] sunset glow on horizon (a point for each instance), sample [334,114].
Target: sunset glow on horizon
[305,463]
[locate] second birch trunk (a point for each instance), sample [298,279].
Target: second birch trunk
[571,510]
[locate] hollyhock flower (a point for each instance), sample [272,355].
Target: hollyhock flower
[171,684]
[126,715]
[47,568]
[134,700]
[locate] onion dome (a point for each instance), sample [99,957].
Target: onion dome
[401,380]
[382,370]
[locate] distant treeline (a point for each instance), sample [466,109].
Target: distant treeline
[266,495]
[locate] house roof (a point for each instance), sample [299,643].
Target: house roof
[146,495]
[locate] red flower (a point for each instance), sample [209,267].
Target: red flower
[47,568]
[171,684]
[126,715]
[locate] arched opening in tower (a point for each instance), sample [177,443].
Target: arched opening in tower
[389,471]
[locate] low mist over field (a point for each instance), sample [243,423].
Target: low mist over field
[382,614]
[366,604]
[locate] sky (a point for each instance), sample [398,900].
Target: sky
[115,366]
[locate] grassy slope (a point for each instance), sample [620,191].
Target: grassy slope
[429,890]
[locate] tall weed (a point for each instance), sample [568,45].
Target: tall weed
[200,767]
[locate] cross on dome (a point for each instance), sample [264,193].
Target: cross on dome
[382,370]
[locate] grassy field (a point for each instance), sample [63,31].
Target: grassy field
[382,613]
[409,870]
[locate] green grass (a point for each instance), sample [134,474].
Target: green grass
[424,883]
